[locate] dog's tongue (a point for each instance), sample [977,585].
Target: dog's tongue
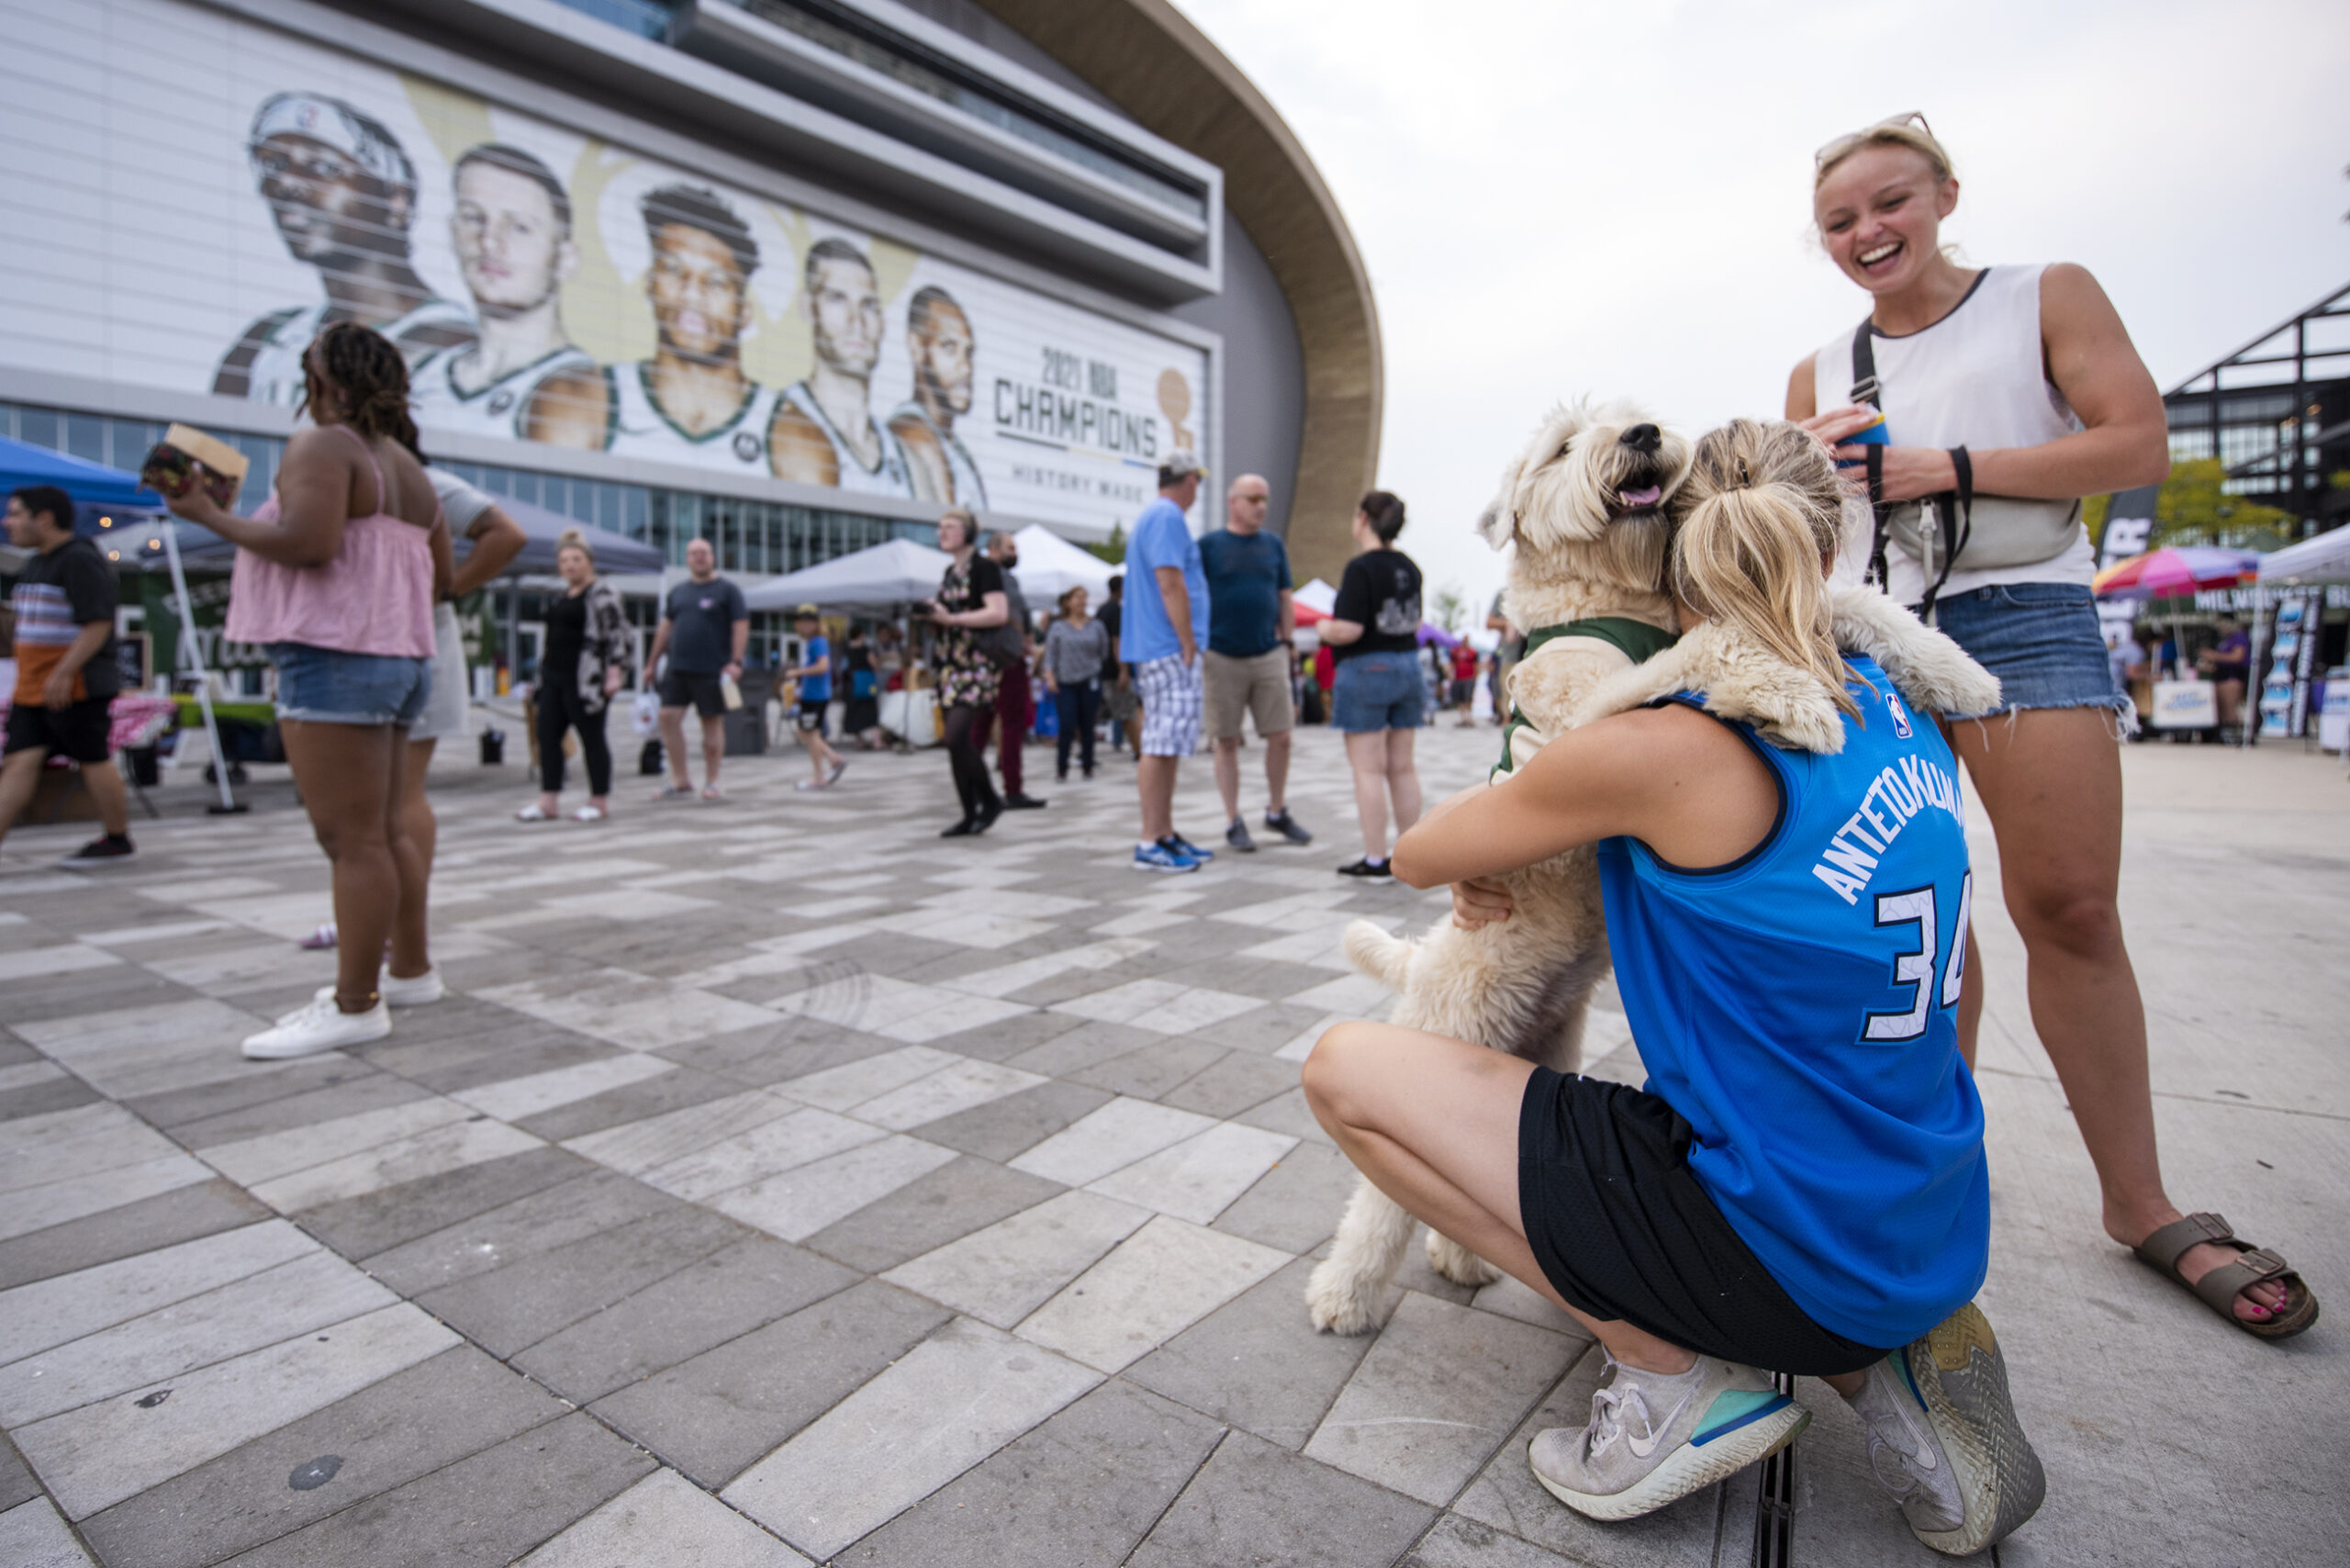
[1647,496]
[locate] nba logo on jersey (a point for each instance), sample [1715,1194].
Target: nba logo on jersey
[1900,719]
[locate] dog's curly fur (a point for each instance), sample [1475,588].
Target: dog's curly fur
[1524,985]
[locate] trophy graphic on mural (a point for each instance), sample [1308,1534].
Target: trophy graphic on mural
[1175,402]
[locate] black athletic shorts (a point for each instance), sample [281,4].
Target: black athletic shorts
[811,713]
[1623,1230]
[79,730]
[705,694]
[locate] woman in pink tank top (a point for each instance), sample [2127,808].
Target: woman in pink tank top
[334,577]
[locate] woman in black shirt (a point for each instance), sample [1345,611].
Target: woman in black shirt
[1377,698]
[970,600]
[585,660]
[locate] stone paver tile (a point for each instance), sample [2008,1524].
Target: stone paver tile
[45,1087]
[376,1222]
[932,1209]
[1436,1394]
[1157,1283]
[794,1139]
[1160,1006]
[516,1048]
[28,1209]
[176,1108]
[713,1414]
[797,1203]
[33,1317]
[131,1051]
[100,1454]
[384,1436]
[443,1148]
[665,1518]
[1113,1137]
[637,1102]
[357,1088]
[26,963]
[33,1536]
[523,1303]
[954,1400]
[961,1086]
[1257,1362]
[839,1087]
[183,1214]
[257,1160]
[1089,1042]
[482,1512]
[1456,1542]
[1356,996]
[1004,979]
[1296,1204]
[80,1140]
[1287,1114]
[1255,1502]
[309,1293]
[627,1009]
[1512,1298]
[964,928]
[1005,1128]
[1231,1084]
[1150,1072]
[512,1099]
[16,1483]
[638,1146]
[1506,1495]
[1003,1273]
[721,1298]
[1081,1488]
[537,1222]
[1199,1177]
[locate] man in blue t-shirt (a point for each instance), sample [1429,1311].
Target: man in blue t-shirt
[815,674]
[1251,621]
[1165,623]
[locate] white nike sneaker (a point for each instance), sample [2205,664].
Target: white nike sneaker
[320,1026]
[1653,1438]
[1961,1382]
[1904,1455]
[413,991]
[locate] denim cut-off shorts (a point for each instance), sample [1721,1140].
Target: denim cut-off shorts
[1378,692]
[2041,640]
[325,685]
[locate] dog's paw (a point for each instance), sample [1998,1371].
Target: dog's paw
[1457,1263]
[1338,1301]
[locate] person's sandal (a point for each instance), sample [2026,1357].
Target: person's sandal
[2219,1289]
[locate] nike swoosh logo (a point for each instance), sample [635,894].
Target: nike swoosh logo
[1643,1447]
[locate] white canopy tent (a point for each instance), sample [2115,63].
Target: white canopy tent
[1050,566]
[1317,595]
[2312,561]
[897,572]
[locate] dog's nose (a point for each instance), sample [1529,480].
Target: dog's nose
[1643,438]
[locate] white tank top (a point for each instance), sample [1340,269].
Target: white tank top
[1976,378]
[889,478]
[494,410]
[962,469]
[638,428]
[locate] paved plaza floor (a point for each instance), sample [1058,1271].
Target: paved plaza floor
[780,1183]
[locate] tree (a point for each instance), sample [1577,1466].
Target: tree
[2194,508]
[1451,608]
[1113,549]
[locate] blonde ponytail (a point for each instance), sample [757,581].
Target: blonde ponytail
[1758,516]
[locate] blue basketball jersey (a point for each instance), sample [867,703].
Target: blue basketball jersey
[1797,1008]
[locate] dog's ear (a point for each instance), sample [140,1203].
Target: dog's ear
[1497,525]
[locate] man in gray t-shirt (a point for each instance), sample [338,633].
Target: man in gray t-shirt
[705,627]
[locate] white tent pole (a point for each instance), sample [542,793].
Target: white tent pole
[189,656]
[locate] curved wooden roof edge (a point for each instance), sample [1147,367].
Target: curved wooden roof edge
[1147,57]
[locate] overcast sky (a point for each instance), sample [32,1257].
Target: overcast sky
[1556,196]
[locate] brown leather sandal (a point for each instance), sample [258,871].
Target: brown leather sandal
[2219,1289]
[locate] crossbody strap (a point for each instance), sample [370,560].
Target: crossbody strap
[1867,388]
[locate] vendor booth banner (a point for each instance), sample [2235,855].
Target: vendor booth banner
[204,192]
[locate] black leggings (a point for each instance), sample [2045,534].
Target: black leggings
[560,709]
[1078,704]
[967,732]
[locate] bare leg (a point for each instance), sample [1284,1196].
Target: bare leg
[348,776]
[1402,781]
[18,775]
[1155,781]
[104,781]
[1228,774]
[713,749]
[673,741]
[1276,771]
[1433,1123]
[1367,757]
[2052,784]
[411,952]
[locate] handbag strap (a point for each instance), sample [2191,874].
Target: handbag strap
[1868,389]
[1954,510]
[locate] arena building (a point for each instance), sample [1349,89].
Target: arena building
[792,275]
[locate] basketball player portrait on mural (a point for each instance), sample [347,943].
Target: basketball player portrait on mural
[609,303]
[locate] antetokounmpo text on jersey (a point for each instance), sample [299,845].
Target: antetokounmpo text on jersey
[1892,799]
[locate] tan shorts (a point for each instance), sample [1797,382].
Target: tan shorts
[1257,686]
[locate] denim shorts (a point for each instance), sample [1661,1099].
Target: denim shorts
[326,686]
[2041,640]
[1378,692]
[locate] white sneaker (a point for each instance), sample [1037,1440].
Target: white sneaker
[1655,1438]
[321,1027]
[414,991]
[1904,1455]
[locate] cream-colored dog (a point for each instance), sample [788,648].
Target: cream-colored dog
[1584,506]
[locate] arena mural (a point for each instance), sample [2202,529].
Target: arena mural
[550,288]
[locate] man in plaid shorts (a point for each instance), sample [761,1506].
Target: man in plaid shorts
[1165,624]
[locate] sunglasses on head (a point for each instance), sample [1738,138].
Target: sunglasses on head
[1843,144]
